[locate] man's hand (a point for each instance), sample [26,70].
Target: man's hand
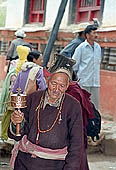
[17,117]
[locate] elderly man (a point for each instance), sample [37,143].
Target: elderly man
[51,129]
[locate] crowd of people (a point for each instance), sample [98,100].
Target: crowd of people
[53,131]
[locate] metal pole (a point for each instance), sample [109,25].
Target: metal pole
[54,32]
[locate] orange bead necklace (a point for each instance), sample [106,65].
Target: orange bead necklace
[57,116]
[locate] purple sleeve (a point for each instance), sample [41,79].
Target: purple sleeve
[12,80]
[41,82]
[16,84]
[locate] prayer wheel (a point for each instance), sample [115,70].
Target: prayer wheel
[18,101]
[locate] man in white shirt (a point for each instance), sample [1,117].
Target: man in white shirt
[87,67]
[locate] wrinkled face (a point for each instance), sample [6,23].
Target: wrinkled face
[39,61]
[57,85]
[92,35]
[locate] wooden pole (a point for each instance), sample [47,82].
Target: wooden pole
[54,32]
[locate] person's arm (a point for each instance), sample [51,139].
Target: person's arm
[16,117]
[12,81]
[77,57]
[10,51]
[23,118]
[100,54]
[16,84]
[41,82]
[76,140]
[69,48]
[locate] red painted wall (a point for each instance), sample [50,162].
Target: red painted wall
[108,93]
[2,67]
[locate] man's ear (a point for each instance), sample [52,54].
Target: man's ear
[68,83]
[47,80]
[34,60]
[87,35]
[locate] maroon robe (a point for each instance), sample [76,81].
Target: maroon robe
[68,133]
[84,98]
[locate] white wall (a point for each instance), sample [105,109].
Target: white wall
[15,13]
[51,13]
[109,15]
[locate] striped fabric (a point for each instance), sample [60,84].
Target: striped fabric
[25,145]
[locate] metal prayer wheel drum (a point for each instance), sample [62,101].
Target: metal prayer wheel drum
[18,100]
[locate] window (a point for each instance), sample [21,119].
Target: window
[34,45]
[37,11]
[3,47]
[87,10]
[108,61]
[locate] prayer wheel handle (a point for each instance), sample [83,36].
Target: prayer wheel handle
[18,101]
[18,125]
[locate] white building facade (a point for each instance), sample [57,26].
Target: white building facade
[17,16]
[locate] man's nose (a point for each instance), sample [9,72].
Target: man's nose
[96,34]
[57,87]
[42,61]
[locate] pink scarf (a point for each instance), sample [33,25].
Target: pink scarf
[25,145]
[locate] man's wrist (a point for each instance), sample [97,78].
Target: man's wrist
[13,126]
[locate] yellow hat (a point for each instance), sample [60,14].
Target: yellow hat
[22,52]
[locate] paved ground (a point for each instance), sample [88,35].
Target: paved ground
[100,162]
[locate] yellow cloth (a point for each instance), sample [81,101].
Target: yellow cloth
[22,52]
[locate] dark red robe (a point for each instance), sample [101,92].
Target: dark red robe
[84,98]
